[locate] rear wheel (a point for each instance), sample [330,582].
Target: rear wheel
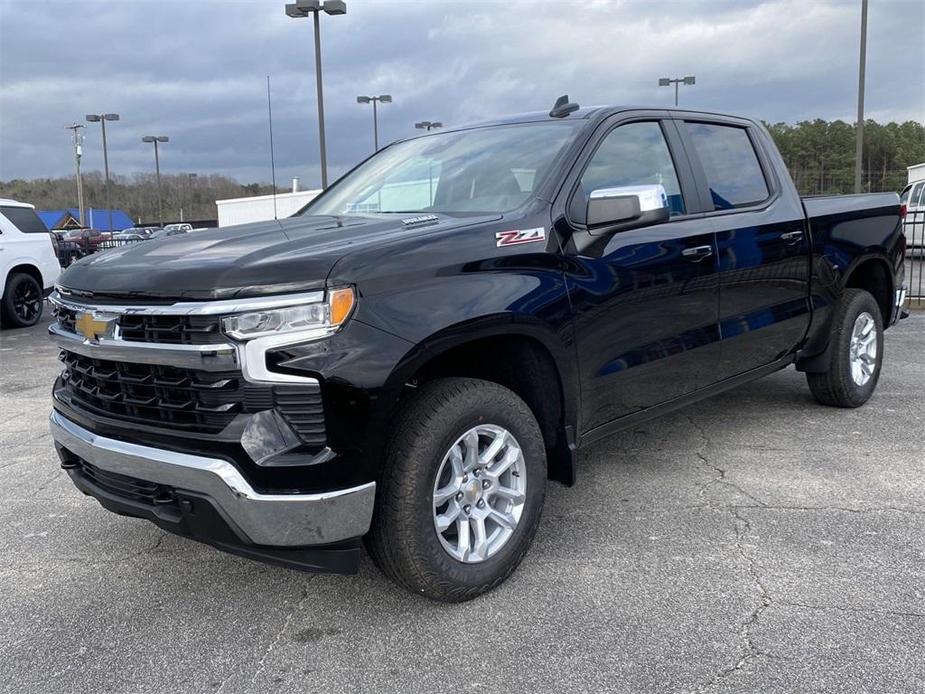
[855,353]
[461,493]
[22,301]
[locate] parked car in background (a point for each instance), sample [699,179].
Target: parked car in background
[182,226]
[66,248]
[168,231]
[87,240]
[913,197]
[28,264]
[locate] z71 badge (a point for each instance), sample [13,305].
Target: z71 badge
[518,236]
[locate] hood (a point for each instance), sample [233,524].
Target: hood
[288,255]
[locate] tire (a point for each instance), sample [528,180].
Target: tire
[404,540]
[22,301]
[840,386]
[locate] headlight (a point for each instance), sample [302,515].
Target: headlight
[324,317]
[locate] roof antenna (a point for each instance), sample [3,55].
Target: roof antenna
[563,107]
[272,158]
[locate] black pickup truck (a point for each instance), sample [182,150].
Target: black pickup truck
[414,354]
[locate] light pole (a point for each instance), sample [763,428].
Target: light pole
[668,81]
[78,152]
[428,125]
[101,118]
[859,145]
[385,99]
[157,168]
[189,193]
[303,8]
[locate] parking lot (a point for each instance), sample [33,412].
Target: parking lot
[754,542]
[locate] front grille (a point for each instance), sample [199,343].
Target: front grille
[174,330]
[189,400]
[122,485]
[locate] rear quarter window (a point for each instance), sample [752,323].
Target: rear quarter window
[25,219]
[730,164]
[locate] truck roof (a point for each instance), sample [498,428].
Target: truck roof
[584,112]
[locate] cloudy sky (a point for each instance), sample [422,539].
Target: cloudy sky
[195,70]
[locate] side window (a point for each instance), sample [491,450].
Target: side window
[730,164]
[25,219]
[631,155]
[919,200]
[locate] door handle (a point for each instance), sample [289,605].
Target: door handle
[697,253]
[791,237]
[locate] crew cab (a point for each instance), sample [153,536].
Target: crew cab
[410,357]
[28,264]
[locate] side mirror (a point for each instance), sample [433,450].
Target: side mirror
[626,207]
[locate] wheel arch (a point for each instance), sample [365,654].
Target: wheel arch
[521,355]
[25,268]
[873,274]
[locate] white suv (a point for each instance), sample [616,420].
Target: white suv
[913,197]
[28,264]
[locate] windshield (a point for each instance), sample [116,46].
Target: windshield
[493,169]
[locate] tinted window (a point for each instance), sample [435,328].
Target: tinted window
[730,164]
[631,155]
[25,219]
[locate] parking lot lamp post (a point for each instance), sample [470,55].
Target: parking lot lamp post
[385,99]
[78,152]
[303,8]
[157,168]
[428,125]
[101,119]
[668,81]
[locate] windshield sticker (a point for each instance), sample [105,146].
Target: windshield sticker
[519,236]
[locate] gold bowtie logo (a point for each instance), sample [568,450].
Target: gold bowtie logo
[92,327]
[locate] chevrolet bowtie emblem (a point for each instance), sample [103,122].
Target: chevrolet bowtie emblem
[93,326]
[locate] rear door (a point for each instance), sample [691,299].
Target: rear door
[762,241]
[645,311]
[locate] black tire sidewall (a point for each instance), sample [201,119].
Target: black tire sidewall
[488,403]
[10,318]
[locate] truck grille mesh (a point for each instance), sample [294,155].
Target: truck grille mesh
[184,399]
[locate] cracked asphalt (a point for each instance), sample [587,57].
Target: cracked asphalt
[752,542]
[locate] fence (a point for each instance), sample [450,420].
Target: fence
[914,228]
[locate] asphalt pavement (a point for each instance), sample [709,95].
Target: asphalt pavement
[755,542]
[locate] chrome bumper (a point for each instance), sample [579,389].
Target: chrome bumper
[281,520]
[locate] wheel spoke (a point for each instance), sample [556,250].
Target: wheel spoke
[445,520]
[444,494]
[456,460]
[472,450]
[480,546]
[505,520]
[462,540]
[493,449]
[512,495]
[498,469]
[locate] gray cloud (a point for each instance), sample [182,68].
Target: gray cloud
[195,71]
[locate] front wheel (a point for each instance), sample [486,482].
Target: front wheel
[461,492]
[855,352]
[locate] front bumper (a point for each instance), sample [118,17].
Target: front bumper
[209,500]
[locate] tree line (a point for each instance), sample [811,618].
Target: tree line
[136,194]
[819,154]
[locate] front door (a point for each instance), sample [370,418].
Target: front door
[645,312]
